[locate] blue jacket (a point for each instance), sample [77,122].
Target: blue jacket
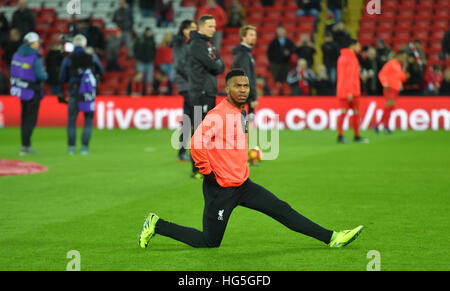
[25,50]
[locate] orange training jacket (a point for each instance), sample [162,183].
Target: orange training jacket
[220,145]
[392,75]
[348,81]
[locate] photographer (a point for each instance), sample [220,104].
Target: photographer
[81,70]
[26,78]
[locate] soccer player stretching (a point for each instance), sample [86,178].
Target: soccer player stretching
[391,76]
[219,147]
[349,89]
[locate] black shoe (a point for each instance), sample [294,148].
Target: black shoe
[185,157]
[361,139]
[254,164]
[387,130]
[342,139]
[376,129]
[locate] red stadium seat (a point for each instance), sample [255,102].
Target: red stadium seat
[404,25]
[387,25]
[441,5]
[402,35]
[407,5]
[442,13]
[386,35]
[424,13]
[421,35]
[422,25]
[291,14]
[388,5]
[406,12]
[437,35]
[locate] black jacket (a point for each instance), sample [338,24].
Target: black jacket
[275,52]
[180,63]
[145,49]
[204,66]
[243,59]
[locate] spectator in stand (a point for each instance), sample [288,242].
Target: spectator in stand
[279,54]
[304,49]
[433,80]
[384,53]
[53,61]
[330,52]
[262,89]
[445,85]
[446,46]
[4,84]
[211,8]
[237,16]
[414,74]
[324,86]
[23,18]
[123,18]
[95,38]
[113,51]
[266,3]
[144,52]
[12,45]
[329,23]
[415,48]
[92,33]
[4,28]
[335,7]
[147,8]
[136,86]
[301,79]
[369,72]
[164,56]
[162,85]
[164,11]
[309,8]
[340,35]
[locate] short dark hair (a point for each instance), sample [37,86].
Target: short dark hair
[234,73]
[351,42]
[203,19]
[184,24]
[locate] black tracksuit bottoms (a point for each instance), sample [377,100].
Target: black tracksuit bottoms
[30,110]
[220,202]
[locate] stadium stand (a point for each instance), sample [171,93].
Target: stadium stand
[400,23]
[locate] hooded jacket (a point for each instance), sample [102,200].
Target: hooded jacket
[204,63]
[243,59]
[348,81]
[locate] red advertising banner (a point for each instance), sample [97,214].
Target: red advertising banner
[294,113]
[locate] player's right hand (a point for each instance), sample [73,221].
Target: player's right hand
[350,97]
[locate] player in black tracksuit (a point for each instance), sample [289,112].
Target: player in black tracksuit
[205,64]
[180,61]
[244,60]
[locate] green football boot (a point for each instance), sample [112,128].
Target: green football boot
[148,230]
[342,238]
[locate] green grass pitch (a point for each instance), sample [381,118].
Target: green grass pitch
[398,186]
